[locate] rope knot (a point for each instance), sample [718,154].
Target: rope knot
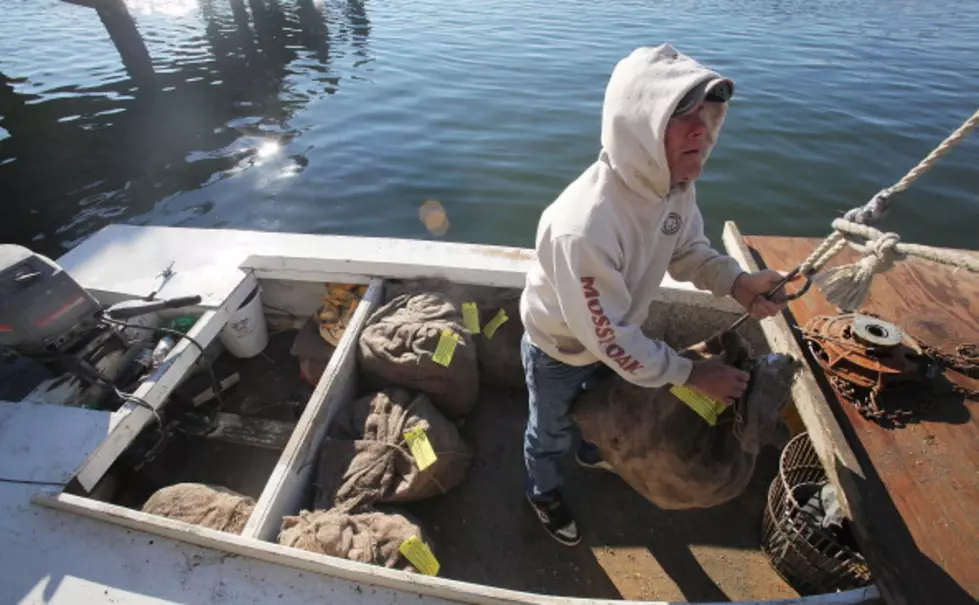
[884,245]
[882,253]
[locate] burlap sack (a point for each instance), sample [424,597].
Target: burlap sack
[455,293]
[396,347]
[365,459]
[498,356]
[666,451]
[205,505]
[368,537]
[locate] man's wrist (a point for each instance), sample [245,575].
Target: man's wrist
[682,371]
[734,284]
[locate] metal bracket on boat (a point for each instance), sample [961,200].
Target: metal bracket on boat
[164,276]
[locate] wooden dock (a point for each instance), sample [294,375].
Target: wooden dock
[913,492]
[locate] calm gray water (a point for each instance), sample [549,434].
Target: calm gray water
[333,116]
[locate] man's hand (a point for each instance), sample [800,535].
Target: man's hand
[718,380]
[750,289]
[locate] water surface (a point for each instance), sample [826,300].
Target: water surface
[334,116]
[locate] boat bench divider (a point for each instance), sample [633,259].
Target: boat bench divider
[292,476]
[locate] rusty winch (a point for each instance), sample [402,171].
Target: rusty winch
[872,364]
[864,350]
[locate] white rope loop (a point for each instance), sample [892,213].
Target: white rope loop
[847,286]
[869,241]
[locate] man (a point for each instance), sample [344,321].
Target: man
[603,248]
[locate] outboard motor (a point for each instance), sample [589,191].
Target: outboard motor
[43,310]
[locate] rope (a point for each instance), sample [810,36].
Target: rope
[874,239]
[947,145]
[830,247]
[847,286]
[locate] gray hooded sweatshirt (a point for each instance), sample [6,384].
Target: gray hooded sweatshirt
[605,244]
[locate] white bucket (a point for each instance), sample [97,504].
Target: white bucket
[245,334]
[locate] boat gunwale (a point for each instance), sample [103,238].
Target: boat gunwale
[431,586]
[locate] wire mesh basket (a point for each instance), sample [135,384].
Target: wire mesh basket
[809,557]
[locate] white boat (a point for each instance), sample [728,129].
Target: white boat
[65,540]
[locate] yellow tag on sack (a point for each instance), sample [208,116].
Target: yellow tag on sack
[708,409]
[446,347]
[470,317]
[420,555]
[494,324]
[421,447]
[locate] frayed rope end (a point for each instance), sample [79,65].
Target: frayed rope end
[845,287]
[848,286]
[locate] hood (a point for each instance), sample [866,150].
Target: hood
[642,93]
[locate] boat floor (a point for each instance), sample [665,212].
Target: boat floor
[484,531]
[268,397]
[269,384]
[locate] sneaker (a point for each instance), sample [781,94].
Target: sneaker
[556,517]
[588,456]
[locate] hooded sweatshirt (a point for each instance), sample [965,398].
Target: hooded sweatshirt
[605,244]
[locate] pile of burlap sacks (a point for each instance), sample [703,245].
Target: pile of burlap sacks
[365,467]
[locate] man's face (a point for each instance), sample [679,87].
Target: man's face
[687,137]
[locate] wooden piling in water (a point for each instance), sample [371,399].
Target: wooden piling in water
[125,36]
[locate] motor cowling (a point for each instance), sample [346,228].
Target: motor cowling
[42,308]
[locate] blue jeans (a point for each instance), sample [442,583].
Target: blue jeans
[552,386]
